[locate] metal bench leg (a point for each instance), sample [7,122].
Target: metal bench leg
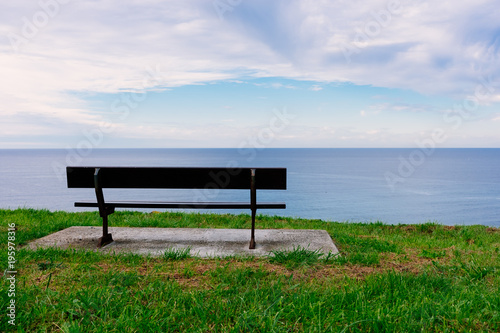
[106,236]
[252,236]
[104,211]
[253,203]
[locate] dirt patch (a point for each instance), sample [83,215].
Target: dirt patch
[409,228]
[106,267]
[408,262]
[190,282]
[195,273]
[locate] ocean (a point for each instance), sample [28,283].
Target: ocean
[446,186]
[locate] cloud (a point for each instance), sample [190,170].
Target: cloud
[495,117]
[401,107]
[433,47]
[275,85]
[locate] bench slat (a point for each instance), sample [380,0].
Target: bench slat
[167,204]
[187,178]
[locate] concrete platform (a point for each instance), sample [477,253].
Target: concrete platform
[202,242]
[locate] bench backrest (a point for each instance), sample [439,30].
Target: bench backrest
[180,178]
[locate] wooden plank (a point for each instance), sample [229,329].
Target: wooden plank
[186,178]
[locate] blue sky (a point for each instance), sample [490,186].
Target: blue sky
[234,73]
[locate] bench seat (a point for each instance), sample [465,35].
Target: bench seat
[187,205]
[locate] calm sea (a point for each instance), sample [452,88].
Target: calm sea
[447,186]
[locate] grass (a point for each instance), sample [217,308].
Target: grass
[297,257]
[177,254]
[389,278]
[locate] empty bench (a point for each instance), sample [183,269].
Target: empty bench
[251,179]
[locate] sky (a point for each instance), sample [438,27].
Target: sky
[249,73]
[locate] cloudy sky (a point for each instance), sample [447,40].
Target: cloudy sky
[236,73]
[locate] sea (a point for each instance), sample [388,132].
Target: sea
[392,186]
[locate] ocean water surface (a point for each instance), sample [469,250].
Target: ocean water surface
[447,186]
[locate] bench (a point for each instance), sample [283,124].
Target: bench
[251,179]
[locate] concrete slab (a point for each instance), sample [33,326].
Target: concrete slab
[202,242]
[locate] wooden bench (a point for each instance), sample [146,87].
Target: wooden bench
[176,178]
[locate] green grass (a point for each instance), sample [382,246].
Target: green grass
[430,254]
[177,254]
[388,278]
[297,257]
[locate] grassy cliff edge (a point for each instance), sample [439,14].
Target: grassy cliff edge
[405,278]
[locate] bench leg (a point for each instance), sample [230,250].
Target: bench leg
[106,237]
[252,235]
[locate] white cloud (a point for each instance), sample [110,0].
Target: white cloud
[401,107]
[93,46]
